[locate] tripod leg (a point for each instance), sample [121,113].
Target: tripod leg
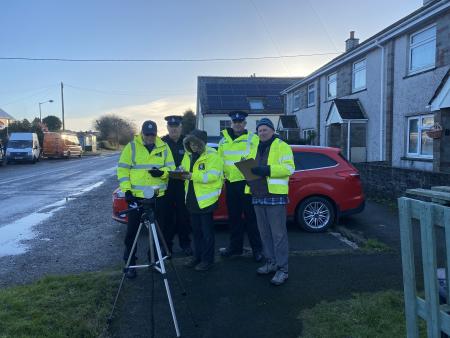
[164,275]
[160,233]
[150,243]
[133,247]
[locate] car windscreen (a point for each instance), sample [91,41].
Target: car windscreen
[20,144]
[312,160]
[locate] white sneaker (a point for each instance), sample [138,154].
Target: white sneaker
[279,278]
[266,269]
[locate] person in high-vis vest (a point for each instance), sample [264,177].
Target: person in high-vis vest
[203,184]
[238,144]
[145,161]
[270,196]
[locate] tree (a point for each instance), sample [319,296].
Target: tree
[114,129]
[52,122]
[189,120]
[20,126]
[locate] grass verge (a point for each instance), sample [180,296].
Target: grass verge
[378,314]
[58,306]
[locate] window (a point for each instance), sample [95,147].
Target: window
[308,134]
[256,104]
[331,86]
[224,124]
[422,53]
[311,160]
[419,144]
[311,94]
[296,105]
[359,75]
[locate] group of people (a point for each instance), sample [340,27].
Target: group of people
[187,201]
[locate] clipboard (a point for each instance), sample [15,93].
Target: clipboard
[178,174]
[245,167]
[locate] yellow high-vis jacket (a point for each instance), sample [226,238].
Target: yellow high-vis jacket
[232,151]
[135,162]
[281,162]
[207,176]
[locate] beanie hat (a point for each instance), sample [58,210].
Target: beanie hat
[265,122]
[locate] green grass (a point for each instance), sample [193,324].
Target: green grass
[58,306]
[372,245]
[378,315]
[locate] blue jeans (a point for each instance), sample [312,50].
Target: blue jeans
[203,233]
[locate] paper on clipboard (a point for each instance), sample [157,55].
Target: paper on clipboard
[245,167]
[178,174]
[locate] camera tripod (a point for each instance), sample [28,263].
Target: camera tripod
[148,221]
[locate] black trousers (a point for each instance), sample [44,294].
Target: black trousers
[134,219]
[204,240]
[238,203]
[177,216]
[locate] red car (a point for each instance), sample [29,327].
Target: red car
[324,187]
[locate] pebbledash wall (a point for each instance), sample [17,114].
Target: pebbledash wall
[383,181]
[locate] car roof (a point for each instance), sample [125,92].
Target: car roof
[298,148]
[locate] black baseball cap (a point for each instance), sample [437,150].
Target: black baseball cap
[149,128]
[238,115]
[173,120]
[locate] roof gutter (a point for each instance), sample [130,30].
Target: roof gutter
[366,46]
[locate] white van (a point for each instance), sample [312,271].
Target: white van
[23,147]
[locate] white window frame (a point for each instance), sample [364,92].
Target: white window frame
[420,128]
[296,100]
[227,124]
[418,44]
[356,70]
[311,90]
[306,132]
[329,97]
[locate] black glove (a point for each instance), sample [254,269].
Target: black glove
[156,172]
[129,197]
[262,170]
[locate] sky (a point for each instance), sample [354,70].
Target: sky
[169,29]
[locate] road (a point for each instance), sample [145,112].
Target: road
[31,193]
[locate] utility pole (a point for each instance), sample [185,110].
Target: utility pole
[62,105]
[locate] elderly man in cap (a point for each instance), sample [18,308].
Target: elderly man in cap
[177,216]
[270,196]
[145,161]
[238,144]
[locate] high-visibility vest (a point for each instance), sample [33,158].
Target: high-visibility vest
[232,151]
[281,162]
[135,162]
[207,176]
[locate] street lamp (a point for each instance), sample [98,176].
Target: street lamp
[40,113]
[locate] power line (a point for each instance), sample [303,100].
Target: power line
[127,93]
[167,60]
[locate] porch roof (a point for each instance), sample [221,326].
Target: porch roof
[345,109]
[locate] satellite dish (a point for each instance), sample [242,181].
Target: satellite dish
[149,192]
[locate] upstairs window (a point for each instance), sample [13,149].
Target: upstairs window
[422,53]
[256,104]
[296,101]
[359,75]
[331,86]
[419,143]
[311,94]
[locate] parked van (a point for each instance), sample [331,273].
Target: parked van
[23,147]
[61,145]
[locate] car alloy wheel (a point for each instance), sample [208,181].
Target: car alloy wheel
[315,214]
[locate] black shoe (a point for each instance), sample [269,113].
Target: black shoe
[131,273]
[258,256]
[192,263]
[203,266]
[225,252]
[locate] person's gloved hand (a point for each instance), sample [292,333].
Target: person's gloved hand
[262,170]
[129,197]
[156,172]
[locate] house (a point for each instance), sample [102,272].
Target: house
[88,141]
[5,120]
[257,96]
[380,99]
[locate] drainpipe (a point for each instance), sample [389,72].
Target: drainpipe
[348,141]
[381,100]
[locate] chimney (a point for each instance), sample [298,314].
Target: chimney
[351,42]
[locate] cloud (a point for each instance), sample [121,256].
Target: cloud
[154,110]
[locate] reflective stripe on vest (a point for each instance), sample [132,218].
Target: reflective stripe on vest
[143,187]
[124,165]
[124,179]
[278,181]
[206,196]
[133,153]
[210,172]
